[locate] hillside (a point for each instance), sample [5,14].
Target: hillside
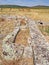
[40,7]
[18,6]
[12,6]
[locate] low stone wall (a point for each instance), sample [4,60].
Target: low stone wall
[37,49]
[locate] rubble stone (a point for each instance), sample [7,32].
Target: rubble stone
[37,48]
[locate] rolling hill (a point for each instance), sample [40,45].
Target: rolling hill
[18,6]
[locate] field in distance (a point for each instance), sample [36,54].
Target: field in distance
[36,13]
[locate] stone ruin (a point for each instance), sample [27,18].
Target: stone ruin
[35,53]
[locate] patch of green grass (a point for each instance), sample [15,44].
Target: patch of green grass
[47,30]
[44,30]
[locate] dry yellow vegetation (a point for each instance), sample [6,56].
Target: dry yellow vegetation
[45,31]
[36,14]
[22,37]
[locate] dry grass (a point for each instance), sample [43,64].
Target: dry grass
[45,31]
[36,14]
[47,37]
[22,37]
[6,26]
[23,22]
[27,61]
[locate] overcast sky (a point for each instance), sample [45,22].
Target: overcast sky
[25,2]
